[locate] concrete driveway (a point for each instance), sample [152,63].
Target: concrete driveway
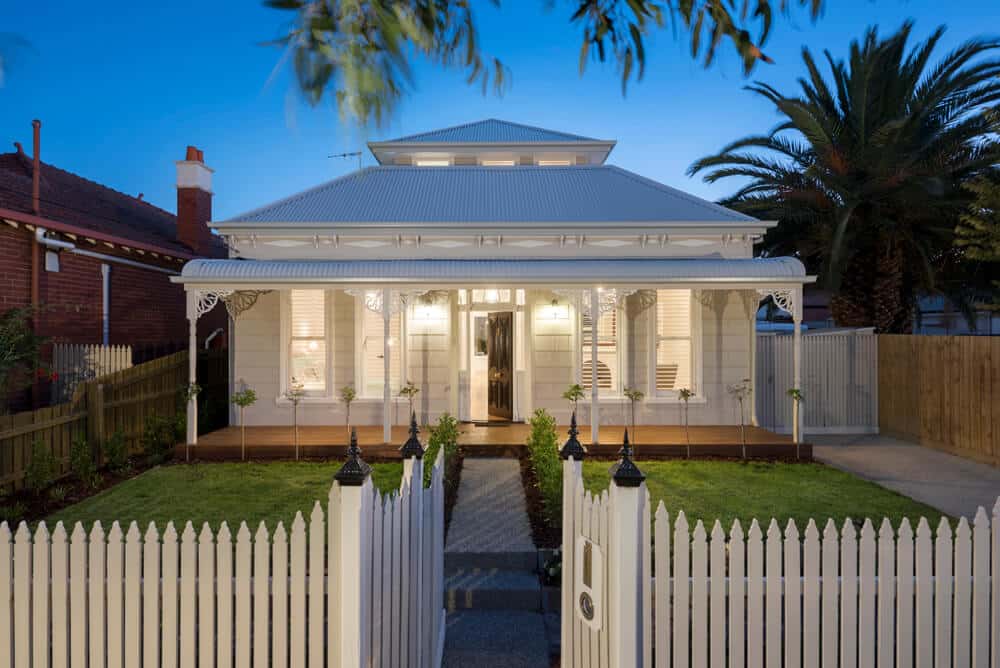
[951,484]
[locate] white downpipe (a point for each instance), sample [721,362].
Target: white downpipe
[58,245]
[105,303]
[55,244]
[797,378]
[595,404]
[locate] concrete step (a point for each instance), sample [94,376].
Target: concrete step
[496,639]
[492,589]
[510,561]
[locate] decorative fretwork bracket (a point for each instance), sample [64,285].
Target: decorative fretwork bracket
[787,299]
[372,299]
[608,299]
[237,302]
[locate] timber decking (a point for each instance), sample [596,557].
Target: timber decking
[650,441]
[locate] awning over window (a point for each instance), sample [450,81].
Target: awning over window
[270,274]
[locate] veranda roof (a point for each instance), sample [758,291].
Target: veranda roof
[461,273]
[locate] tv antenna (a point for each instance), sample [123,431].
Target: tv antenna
[350,154]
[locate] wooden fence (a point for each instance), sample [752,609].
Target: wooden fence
[886,596]
[121,401]
[839,381]
[942,392]
[75,363]
[359,585]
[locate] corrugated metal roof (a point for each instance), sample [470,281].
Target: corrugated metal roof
[491,130]
[524,194]
[653,270]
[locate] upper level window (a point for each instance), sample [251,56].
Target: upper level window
[432,162]
[497,163]
[308,341]
[674,341]
[554,163]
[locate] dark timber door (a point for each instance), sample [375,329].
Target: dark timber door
[500,358]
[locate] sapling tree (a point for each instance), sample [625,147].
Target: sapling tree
[295,393]
[409,391]
[796,396]
[573,394]
[685,395]
[244,398]
[634,396]
[741,392]
[347,395]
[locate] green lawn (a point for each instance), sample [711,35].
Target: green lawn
[215,492]
[708,490]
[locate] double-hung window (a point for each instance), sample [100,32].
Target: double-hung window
[307,359]
[674,334]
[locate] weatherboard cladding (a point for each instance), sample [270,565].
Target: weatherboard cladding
[479,271]
[490,131]
[586,194]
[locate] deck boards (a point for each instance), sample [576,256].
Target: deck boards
[650,441]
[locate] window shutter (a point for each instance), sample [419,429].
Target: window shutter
[308,344]
[673,340]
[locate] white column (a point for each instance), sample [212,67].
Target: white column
[797,362]
[354,580]
[624,585]
[386,365]
[595,410]
[192,406]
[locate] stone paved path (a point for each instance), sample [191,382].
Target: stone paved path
[951,484]
[492,590]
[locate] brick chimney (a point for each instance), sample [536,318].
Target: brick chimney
[194,202]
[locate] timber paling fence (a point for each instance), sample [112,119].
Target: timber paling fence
[942,392]
[119,402]
[360,584]
[776,596]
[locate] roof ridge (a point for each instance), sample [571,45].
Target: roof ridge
[537,128]
[694,199]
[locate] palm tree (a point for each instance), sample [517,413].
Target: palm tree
[865,169]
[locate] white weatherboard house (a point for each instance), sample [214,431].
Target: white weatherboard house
[492,265]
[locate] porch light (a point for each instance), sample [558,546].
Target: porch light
[555,311]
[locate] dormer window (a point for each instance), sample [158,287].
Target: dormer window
[497,163]
[432,162]
[554,163]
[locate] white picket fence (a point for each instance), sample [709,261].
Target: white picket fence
[359,585]
[891,596]
[839,381]
[74,363]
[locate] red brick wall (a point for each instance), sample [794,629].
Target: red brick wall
[15,267]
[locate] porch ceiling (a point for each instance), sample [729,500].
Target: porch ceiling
[268,274]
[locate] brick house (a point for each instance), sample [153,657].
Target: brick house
[98,262]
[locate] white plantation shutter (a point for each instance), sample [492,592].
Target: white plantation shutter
[372,345]
[308,342]
[607,351]
[673,340]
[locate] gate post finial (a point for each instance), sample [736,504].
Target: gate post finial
[412,447]
[573,449]
[625,473]
[355,471]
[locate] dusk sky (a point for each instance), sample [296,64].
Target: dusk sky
[122,87]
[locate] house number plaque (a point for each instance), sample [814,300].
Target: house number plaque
[589,578]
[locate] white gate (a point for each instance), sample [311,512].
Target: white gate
[74,363]
[766,595]
[839,381]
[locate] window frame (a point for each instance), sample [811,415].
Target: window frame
[285,362]
[621,353]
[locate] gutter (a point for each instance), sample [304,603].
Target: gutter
[57,245]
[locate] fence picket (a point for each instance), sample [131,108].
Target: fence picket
[279,597]
[848,595]
[206,596]
[717,597]
[6,597]
[793,596]
[61,570]
[942,595]
[297,605]
[811,584]
[772,590]
[699,597]
[981,590]
[645,525]
[224,597]
[661,596]
[589,649]
[40,631]
[244,597]
[317,567]
[168,605]
[115,597]
[755,596]
[866,597]
[831,595]
[188,597]
[133,596]
[261,597]
[737,596]
[904,595]
[22,595]
[377,606]
[924,552]
[962,620]
[151,597]
[682,588]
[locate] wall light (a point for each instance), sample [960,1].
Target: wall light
[555,311]
[428,312]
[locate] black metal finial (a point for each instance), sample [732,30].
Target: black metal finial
[412,447]
[573,448]
[625,473]
[355,471]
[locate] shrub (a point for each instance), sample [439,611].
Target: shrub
[58,493]
[443,435]
[81,463]
[116,453]
[12,513]
[159,436]
[543,456]
[41,470]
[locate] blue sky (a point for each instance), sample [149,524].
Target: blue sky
[122,87]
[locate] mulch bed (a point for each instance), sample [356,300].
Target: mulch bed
[543,532]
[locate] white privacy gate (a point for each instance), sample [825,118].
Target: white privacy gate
[773,596]
[75,363]
[839,381]
[360,584]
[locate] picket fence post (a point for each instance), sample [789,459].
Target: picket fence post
[625,610]
[413,479]
[572,454]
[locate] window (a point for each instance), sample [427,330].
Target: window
[373,357]
[607,351]
[497,163]
[553,163]
[307,347]
[674,348]
[432,162]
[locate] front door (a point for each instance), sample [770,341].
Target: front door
[500,361]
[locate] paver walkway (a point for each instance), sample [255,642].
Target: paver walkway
[492,591]
[951,484]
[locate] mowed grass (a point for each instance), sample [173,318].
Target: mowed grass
[213,493]
[710,490]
